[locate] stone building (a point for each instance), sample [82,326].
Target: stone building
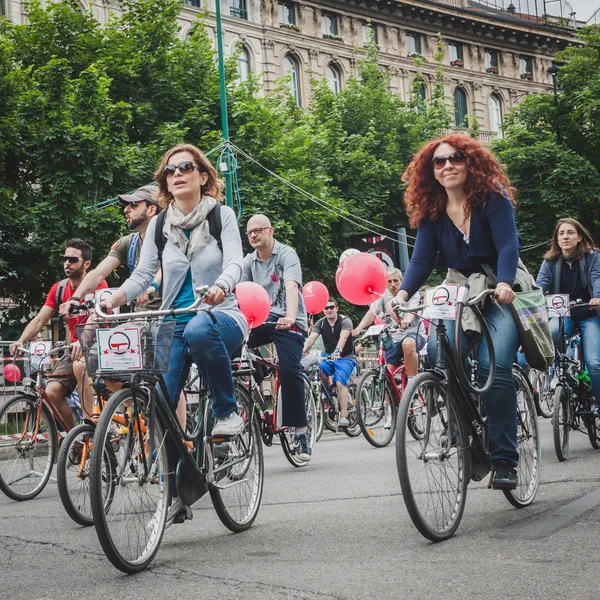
[493,57]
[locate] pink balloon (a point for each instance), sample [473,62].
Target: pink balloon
[254,302]
[315,296]
[361,278]
[12,373]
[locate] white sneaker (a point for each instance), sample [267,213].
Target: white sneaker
[387,417]
[178,513]
[230,425]
[344,422]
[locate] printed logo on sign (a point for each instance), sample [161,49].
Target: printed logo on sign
[441,302]
[558,302]
[40,349]
[119,349]
[558,305]
[440,296]
[119,343]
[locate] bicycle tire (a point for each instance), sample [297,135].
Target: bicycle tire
[593,429]
[561,422]
[528,445]
[353,430]
[541,381]
[372,390]
[434,524]
[320,410]
[13,422]
[288,444]
[149,512]
[417,411]
[247,498]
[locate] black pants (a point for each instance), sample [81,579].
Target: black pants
[289,345]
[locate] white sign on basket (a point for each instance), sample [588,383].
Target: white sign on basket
[119,349]
[39,353]
[558,305]
[374,330]
[440,302]
[105,293]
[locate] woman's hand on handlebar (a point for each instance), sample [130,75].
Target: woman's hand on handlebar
[594,303]
[215,296]
[146,296]
[504,293]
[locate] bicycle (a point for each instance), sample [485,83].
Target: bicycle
[573,396]
[29,435]
[544,384]
[379,391]
[434,471]
[230,468]
[270,416]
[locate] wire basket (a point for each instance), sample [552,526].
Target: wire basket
[120,348]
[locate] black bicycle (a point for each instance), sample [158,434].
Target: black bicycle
[435,470]
[134,427]
[573,396]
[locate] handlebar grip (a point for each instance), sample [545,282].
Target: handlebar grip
[463,294]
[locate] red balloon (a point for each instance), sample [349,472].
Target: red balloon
[361,278]
[315,296]
[254,302]
[12,373]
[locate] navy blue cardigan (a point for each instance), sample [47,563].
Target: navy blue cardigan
[493,240]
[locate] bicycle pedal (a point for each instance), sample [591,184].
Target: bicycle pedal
[181,517]
[490,480]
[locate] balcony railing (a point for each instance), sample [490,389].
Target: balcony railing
[239,13]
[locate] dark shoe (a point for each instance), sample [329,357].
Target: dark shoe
[505,476]
[303,449]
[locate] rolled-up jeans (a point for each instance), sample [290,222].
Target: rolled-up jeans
[590,336]
[501,400]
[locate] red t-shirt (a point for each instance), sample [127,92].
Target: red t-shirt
[68,292]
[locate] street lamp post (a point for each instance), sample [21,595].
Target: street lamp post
[553,70]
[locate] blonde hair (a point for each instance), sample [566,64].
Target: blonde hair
[213,187]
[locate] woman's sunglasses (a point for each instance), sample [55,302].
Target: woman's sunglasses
[456,158]
[187,166]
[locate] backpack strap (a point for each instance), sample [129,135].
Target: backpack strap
[556,275]
[60,291]
[583,273]
[133,246]
[215,225]
[159,238]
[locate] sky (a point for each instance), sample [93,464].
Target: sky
[583,8]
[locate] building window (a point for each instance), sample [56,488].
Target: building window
[292,70]
[334,79]
[369,33]
[244,65]
[194,3]
[491,62]
[460,107]
[526,67]
[238,8]
[413,44]
[495,107]
[455,53]
[419,90]
[330,26]
[287,16]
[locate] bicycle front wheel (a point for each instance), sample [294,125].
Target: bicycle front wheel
[528,445]
[131,527]
[376,408]
[28,447]
[542,384]
[433,470]
[561,422]
[239,471]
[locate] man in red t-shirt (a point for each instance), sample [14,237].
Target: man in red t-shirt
[76,262]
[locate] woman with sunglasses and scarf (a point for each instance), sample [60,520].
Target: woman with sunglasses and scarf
[189,190]
[463,208]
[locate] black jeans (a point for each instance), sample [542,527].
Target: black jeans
[289,345]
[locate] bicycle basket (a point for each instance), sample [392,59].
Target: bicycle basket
[121,347]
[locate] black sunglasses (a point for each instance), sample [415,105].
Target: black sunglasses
[187,166]
[331,307]
[71,259]
[456,158]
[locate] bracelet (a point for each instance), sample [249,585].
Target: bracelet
[155,285]
[77,298]
[222,287]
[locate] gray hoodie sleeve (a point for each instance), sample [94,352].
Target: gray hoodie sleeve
[232,250]
[144,273]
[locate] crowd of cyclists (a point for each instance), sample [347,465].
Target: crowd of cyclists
[462,206]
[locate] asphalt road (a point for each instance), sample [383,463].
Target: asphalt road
[336,529]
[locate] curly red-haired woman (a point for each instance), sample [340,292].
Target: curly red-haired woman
[462,205]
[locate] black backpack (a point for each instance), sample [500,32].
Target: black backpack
[215,227]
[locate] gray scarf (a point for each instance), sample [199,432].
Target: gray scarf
[195,222]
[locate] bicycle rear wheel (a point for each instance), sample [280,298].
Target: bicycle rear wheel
[434,470]
[131,528]
[26,461]
[376,408]
[239,471]
[528,445]
[73,474]
[561,422]
[353,429]
[593,427]
[542,385]
[287,437]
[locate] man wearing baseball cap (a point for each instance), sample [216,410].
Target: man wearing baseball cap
[138,208]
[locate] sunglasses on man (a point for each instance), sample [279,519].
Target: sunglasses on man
[71,259]
[330,307]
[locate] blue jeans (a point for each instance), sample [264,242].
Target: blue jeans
[501,400]
[210,345]
[590,336]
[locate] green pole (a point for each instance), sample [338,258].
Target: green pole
[223,94]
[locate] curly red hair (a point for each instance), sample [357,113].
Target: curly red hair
[426,198]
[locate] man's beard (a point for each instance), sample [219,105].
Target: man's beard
[135,223]
[76,273]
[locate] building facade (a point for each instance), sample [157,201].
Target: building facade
[493,58]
